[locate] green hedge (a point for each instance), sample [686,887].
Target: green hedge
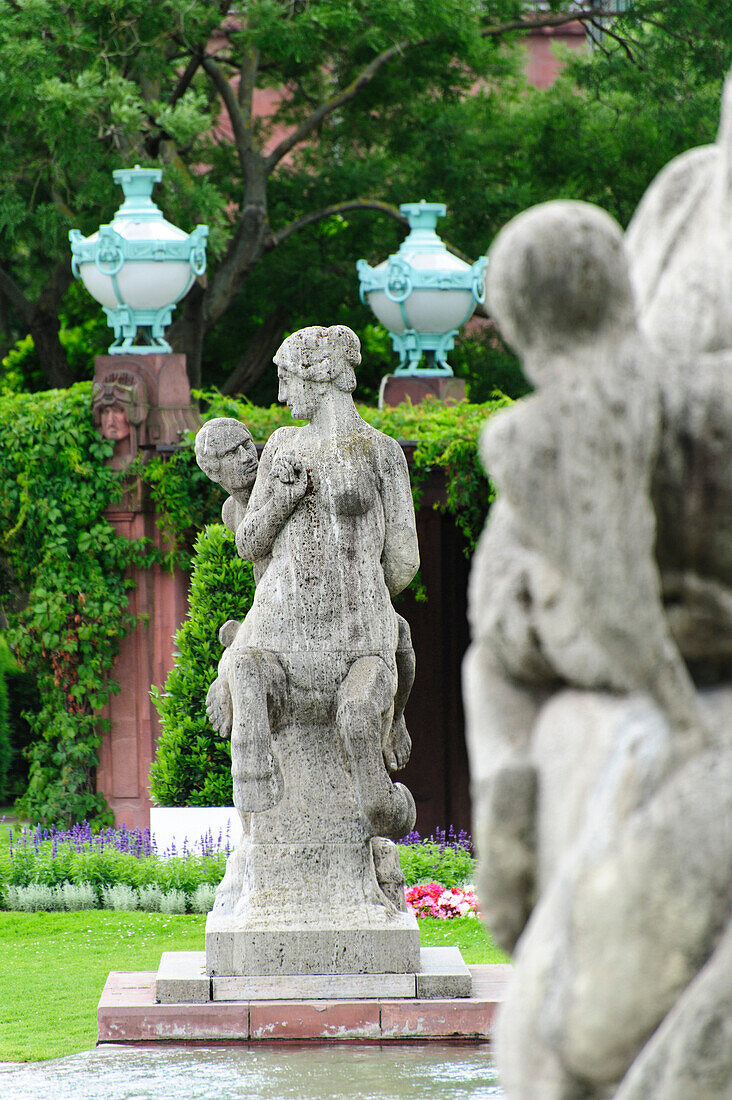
[7,664]
[193,764]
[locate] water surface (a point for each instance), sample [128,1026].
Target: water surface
[303,1072]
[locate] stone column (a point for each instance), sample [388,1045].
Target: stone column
[142,402]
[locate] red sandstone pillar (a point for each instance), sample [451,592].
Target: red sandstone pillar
[143,403]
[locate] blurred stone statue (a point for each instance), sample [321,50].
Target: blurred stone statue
[313,682]
[598,685]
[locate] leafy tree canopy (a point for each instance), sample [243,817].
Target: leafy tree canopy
[372,102]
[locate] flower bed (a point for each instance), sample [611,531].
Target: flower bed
[431,899]
[122,869]
[113,869]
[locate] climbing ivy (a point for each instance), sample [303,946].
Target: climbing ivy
[65,588]
[65,572]
[445,438]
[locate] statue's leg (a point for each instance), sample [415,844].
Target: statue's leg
[500,715]
[218,700]
[365,708]
[256,683]
[690,1053]
[397,745]
[389,874]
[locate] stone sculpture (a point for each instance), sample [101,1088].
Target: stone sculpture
[143,402]
[119,408]
[312,685]
[598,685]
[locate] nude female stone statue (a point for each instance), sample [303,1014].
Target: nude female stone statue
[313,683]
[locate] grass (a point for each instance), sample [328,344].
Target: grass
[57,964]
[467,933]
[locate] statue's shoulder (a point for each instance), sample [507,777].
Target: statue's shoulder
[278,438]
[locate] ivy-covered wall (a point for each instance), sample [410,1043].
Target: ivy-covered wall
[63,568]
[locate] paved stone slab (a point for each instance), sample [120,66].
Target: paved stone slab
[182,978]
[129,1014]
[315,1020]
[283,987]
[462,1018]
[442,973]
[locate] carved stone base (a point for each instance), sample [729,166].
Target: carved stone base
[182,979]
[390,947]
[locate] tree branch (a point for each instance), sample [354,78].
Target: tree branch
[225,90]
[602,29]
[548,20]
[185,79]
[276,239]
[301,132]
[350,92]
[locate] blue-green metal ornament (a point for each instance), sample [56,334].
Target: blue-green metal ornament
[423,294]
[139,265]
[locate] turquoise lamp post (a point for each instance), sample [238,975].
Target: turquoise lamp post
[422,294]
[139,266]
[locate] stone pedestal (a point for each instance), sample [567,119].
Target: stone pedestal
[182,978]
[391,947]
[301,893]
[396,388]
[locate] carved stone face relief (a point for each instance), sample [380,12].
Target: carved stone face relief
[114,422]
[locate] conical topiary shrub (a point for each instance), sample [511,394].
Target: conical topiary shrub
[193,764]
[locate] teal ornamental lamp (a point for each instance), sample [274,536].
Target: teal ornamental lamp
[422,294]
[139,266]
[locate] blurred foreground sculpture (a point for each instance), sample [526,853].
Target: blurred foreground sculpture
[312,685]
[598,685]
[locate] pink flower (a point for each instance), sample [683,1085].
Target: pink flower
[430,899]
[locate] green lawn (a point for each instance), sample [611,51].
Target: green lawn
[56,964]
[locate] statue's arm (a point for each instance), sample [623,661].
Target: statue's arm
[234,510]
[275,495]
[400,555]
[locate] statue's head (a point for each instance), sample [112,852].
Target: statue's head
[311,360]
[119,409]
[558,280]
[226,453]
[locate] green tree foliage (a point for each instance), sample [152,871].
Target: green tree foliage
[7,664]
[364,88]
[193,765]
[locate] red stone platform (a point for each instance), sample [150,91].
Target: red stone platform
[128,1013]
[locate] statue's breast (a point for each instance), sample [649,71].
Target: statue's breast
[345,482]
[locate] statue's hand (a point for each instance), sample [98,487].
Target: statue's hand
[288,479]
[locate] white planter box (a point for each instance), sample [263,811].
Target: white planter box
[179,827]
